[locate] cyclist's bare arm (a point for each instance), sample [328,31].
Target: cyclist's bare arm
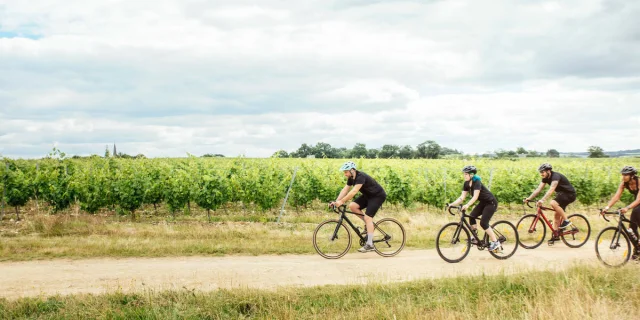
[552,189]
[344,192]
[459,200]
[351,193]
[536,192]
[616,197]
[476,195]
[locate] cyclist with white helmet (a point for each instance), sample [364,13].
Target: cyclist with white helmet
[372,197]
[565,195]
[487,206]
[630,182]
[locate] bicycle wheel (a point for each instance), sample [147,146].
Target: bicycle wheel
[507,234]
[578,233]
[531,231]
[453,242]
[332,239]
[389,237]
[613,247]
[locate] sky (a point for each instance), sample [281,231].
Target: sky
[169,77]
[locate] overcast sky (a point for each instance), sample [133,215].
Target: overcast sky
[168,77]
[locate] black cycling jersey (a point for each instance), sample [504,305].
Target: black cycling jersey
[564,186]
[370,187]
[485,194]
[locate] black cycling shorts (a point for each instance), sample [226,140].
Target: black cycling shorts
[564,199]
[371,204]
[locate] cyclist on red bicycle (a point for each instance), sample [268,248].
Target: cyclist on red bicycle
[565,195]
[630,182]
[373,195]
[485,208]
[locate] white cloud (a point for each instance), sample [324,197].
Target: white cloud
[170,77]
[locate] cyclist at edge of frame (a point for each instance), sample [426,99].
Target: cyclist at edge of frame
[630,181]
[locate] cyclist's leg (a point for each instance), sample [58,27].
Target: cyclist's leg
[635,222]
[373,206]
[559,205]
[475,213]
[487,214]
[357,205]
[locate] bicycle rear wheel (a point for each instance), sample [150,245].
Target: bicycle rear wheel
[578,233]
[331,239]
[508,236]
[531,231]
[613,247]
[452,242]
[389,237]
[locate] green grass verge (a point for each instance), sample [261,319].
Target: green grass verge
[578,293]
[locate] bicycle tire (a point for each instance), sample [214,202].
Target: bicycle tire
[376,243]
[523,227]
[455,234]
[510,234]
[586,238]
[601,239]
[345,232]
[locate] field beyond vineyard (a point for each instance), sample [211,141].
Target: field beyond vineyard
[261,184]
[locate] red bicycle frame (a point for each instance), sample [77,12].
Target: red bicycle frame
[540,214]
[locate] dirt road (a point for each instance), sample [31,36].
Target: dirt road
[33,278]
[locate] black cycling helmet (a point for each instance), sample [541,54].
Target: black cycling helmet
[545,167]
[470,169]
[629,170]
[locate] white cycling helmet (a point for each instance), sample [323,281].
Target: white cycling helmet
[348,166]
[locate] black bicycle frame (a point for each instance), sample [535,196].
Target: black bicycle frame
[463,221]
[621,227]
[342,211]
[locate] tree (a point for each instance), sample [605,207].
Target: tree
[303,151]
[324,150]
[342,153]
[372,153]
[359,151]
[446,151]
[279,154]
[596,152]
[107,154]
[388,151]
[406,152]
[428,149]
[521,150]
[553,153]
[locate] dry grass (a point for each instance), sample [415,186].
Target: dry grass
[77,235]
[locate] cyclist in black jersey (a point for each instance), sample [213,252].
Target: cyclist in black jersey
[486,207]
[372,197]
[630,181]
[565,195]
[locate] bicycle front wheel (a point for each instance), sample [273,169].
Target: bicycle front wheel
[613,247]
[578,233]
[508,236]
[332,239]
[389,237]
[531,231]
[453,242]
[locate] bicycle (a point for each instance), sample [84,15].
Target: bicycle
[389,236]
[531,237]
[505,232]
[612,248]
